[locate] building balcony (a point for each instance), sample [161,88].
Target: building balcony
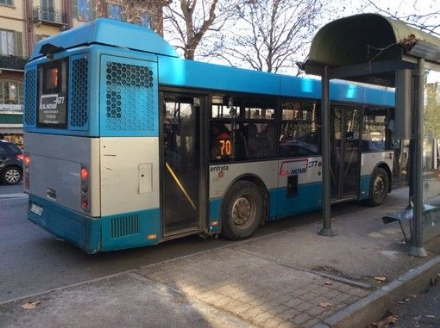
[49,16]
[12,62]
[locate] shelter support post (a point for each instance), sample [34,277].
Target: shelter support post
[416,248]
[325,130]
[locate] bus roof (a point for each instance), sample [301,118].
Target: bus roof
[109,32]
[178,72]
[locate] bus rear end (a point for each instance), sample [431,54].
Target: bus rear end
[91,141]
[59,180]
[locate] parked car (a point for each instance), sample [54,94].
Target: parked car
[11,163]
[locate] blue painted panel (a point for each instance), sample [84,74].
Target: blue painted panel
[127,230]
[214,214]
[96,234]
[129,97]
[191,74]
[308,198]
[80,230]
[364,188]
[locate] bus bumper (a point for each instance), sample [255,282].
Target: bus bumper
[126,230]
[80,230]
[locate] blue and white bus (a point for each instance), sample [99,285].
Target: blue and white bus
[128,145]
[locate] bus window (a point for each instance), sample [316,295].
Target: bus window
[52,94]
[52,79]
[374,130]
[221,143]
[299,129]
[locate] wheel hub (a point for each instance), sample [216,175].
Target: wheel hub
[241,211]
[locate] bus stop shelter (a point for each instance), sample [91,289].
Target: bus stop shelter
[374,49]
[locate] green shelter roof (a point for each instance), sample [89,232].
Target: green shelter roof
[366,40]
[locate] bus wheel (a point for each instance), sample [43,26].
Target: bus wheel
[379,187]
[242,211]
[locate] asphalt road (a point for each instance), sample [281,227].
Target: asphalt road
[418,310]
[33,261]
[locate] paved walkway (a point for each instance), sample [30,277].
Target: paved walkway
[293,278]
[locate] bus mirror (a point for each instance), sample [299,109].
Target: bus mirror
[404,102]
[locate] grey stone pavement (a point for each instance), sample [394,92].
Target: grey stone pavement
[292,278]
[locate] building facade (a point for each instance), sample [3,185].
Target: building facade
[25,22]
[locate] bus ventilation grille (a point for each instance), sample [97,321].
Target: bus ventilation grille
[130,98]
[79,115]
[124,226]
[30,98]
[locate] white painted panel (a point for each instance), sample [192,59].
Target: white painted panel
[122,161]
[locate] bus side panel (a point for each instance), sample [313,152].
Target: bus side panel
[298,187]
[364,187]
[222,176]
[307,198]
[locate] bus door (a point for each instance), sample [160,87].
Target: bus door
[345,155]
[182,169]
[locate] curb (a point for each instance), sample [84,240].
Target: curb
[372,307]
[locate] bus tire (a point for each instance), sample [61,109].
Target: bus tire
[379,187]
[242,210]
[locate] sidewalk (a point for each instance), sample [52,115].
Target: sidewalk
[293,278]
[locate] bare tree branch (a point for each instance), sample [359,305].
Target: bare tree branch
[426,20]
[271,33]
[188,22]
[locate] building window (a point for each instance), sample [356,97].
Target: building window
[115,12]
[11,92]
[145,20]
[7,2]
[7,42]
[84,10]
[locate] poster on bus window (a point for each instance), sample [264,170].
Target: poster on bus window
[52,110]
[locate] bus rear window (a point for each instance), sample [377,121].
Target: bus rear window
[52,94]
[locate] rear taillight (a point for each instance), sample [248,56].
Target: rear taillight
[26,161]
[85,188]
[20,157]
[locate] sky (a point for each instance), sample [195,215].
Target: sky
[399,8]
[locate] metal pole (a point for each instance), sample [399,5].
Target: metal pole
[417,180]
[325,132]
